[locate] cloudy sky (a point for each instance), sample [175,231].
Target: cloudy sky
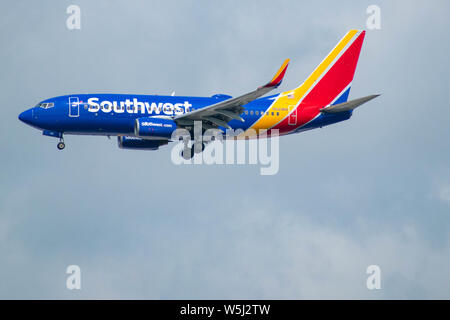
[371,190]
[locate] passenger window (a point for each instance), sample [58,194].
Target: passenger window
[246,111]
[257,112]
[272,113]
[278,113]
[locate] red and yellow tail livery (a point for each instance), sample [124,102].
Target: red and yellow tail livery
[328,83]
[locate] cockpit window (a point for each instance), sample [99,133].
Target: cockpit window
[46,105]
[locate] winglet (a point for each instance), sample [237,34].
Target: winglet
[276,80]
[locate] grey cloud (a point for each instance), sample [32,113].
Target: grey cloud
[367,191]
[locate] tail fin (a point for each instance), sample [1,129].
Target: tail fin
[330,82]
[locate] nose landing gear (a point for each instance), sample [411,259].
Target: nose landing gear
[61,145]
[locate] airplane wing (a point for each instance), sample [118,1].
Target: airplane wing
[218,114]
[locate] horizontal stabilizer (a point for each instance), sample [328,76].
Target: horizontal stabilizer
[347,106]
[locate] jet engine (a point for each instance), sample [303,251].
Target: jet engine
[138,143]
[154,127]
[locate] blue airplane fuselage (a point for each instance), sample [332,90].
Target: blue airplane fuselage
[116,114]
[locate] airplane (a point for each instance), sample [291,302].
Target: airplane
[146,122]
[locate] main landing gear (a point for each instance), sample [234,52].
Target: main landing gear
[61,145]
[187,153]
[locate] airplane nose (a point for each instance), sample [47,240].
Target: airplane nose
[26,116]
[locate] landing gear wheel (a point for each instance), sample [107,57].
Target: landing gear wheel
[61,145]
[198,147]
[187,153]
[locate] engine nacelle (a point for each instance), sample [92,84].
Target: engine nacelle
[154,127]
[138,143]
